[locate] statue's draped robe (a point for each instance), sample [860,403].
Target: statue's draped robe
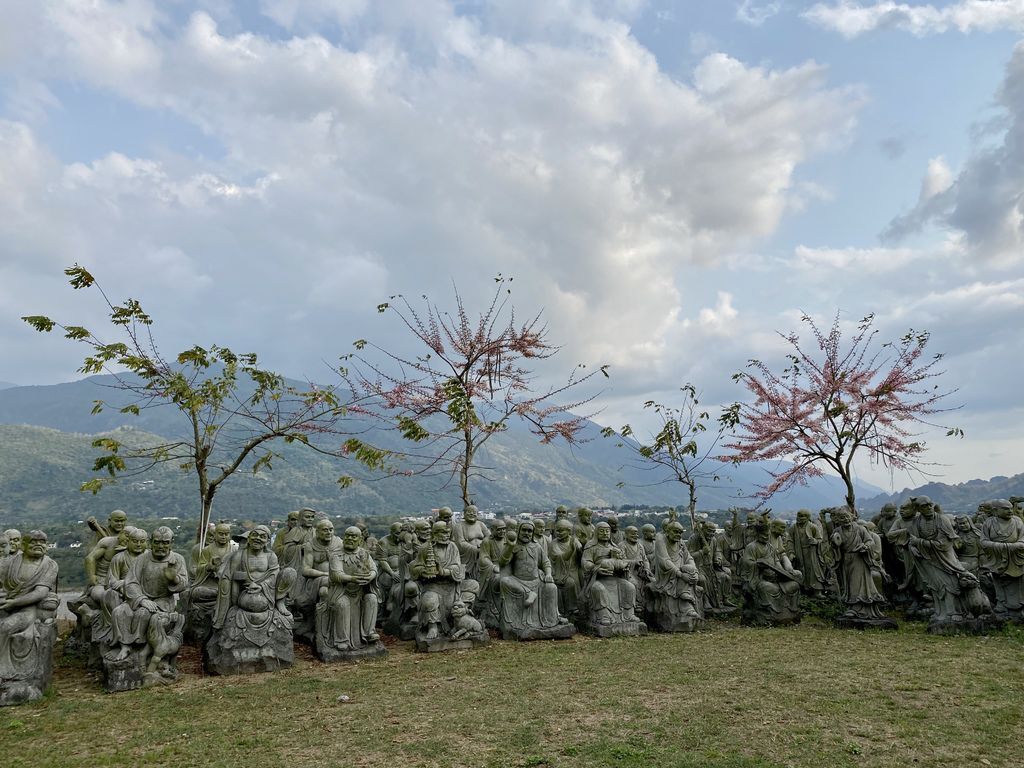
[345,618]
[611,598]
[807,555]
[526,562]
[20,636]
[1004,559]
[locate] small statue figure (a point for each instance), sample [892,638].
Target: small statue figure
[529,597]
[584,530]
[103,628]
[607,591]
[28,604]
[252,627]
[771,586]
[676,600]
[465,626]
[806,540]
[117,520]
[444,515]
[540,535]
[617,535]
[565,552]
[147,630]
[778,537]
[856,559]
[648,533]
[909,590]
[1002,542]
[346,614]
[290,523]
[468,534]
[13,538]
[293,542]
[88,605]
[958,604]
[200,598]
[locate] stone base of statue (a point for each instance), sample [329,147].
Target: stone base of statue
[369,651]
[663,621]
[239,655]
[28,677]
[122,674]
[616,629]
[859,622]
[446,643]
[757,616]
[721,612]
[967,625]
[557,632]
[198,620]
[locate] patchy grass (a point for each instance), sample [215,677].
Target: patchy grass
[726,697]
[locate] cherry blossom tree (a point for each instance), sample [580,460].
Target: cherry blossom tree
[474,377]
[836,400]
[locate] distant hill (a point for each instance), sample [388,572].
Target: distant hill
[45,449]
[6,385]
[961,497]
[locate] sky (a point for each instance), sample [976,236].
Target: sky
[672,184]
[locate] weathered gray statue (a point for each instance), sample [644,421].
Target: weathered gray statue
[313,578]
[488,604]
[468,534]
[147,630]
[529,597]
[908,594]
[252,627]
[856,560]
[607,591]
[1002,541]
[806,541]
[958,604]
[676,602]
[565,551]
[88,605]
[771,586]
[201,597]
[103,629]
[712,565]
[641,572]
[584,530]
[28,604]
[346,613]
[387,554]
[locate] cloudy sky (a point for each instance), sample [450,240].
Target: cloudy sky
[670,182]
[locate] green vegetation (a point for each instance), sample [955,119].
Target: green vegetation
[730,696]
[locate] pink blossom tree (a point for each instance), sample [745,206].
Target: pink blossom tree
[474,377]
[835,400]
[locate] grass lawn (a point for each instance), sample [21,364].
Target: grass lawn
[728,696]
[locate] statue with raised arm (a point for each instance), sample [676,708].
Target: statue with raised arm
[28,604]
[529,597]
[252,627]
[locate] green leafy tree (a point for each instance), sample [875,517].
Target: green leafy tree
[233,410]
[673,453]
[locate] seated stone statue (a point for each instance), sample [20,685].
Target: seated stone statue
[771,586]
[313,578]
[641,572]
[403,619]
[958,603]
[857,558]
[28,604]
[1002,542]
[468,534]
[565,552]
[88,605]
[147,630]
[346,614]
[252,627]
[675,599]
[200,599]
[113,596]
[608,593]
[713,568]
[529,597]
[488,604]
[386,554]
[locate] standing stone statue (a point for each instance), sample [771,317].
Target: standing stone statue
[468,534]
[28,604]
[291,522]
[88,605]
[294,540]
[316,556]
[715,575]
[565,552]
[147,629]
[252,628]
[346,614]
[200,599]
[676,599]
[771,586]
[968,549]
[958,604]
[856,559]
[640,572]
[386,555]
[488,604]
[806,540]
[909,592]
[1002,541]
[607,591]
[529,597]
[648,534]
[617,536]
[584,530]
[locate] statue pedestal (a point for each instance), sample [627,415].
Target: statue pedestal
[854,622]
[443,643]
[224,657]
[32,677]
[198,620]
[672,622]
[123,674]
[981,625]
[618,629]
[368,651]
[557,632]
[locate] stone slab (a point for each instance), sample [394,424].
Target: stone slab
[621,629]
[558,632]
[972,626]
[368,651]
[439,644]
[849,622]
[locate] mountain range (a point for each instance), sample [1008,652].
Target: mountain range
[46,433]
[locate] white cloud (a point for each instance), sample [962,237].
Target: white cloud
[757,13]
[721,319]
[851,19]
[872,261]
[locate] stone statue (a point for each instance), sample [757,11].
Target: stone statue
[488,604]
[617,536]
[648,533]
[468,534]
[116,522]
[87,605]
[676,601]
[778,537]
[147,630]
[909,590]
[806,540]
[771,586]
[28,604]
[103,629]
[561,513]
[541,536]
[294,540]
[565,552]
[715,574]
[386,555]
[252,627]
[529,597]
[13,537]
[291,522]
[856,559]
[444,515]
[312,582]
[584,530]
[5,545]
[1002,542]
[200,598]
[346,614]
[968,549]
[607,591]
[958,604]
[640,572]
[404,615]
